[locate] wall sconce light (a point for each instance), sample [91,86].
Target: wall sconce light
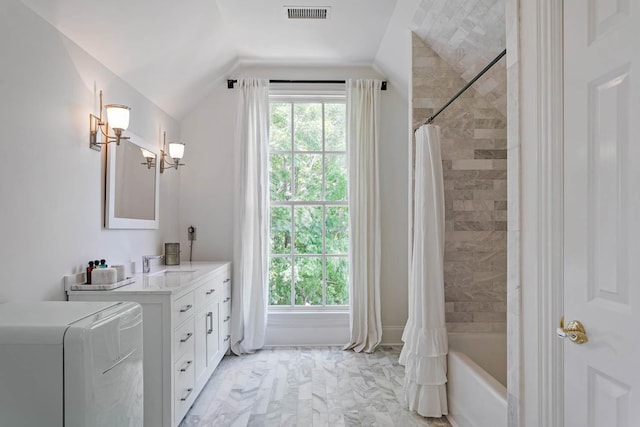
[117,119]
[176,152]
[149,157]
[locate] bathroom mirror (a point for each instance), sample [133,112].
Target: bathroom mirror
[132,185]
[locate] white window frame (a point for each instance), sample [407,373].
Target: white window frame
[307,96]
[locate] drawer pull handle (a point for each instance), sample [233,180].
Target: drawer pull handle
[227,280]
[186,366]
[185,339]
[186,308]
[186,396]
[210,291]
[227,299]
[226,319]
[210,317]
[227,338]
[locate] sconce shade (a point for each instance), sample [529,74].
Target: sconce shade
[118,116]
[147,154]
[176,150]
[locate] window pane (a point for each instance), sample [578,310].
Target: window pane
[280,176]
[334,127]
[337,232]
[280,281]
[280,232]
[309,241]
[335,177]
[307,123]
[308,226]
[337,281]
[280,128]
[308,281]
[308,176]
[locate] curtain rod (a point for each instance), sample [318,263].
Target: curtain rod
[231,83]
[467,86]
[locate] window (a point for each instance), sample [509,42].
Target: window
[309,217]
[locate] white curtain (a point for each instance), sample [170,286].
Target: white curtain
[251,234]
[424,354]
[363,134]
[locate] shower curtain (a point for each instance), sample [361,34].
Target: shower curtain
[424,354]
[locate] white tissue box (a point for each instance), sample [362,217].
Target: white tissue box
[104,276]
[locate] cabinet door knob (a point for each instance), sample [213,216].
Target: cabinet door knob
[210,291]
[227,299]
[186,308]
[226,319]
[185,339]
[227,280]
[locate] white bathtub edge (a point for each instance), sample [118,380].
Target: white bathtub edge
[467,382]
[497,390]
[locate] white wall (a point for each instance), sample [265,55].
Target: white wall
[207,183]
[51,183]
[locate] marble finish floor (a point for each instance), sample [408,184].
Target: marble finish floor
[307,386]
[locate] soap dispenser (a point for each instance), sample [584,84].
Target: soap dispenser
[89,272]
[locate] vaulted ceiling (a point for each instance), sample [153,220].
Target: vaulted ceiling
[173,51]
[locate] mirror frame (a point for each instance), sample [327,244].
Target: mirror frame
[110,220]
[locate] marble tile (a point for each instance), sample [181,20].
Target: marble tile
[476,162]
[490,154]
[346,389]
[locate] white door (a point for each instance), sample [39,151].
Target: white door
[602,211]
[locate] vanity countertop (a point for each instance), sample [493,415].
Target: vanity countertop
[175,279]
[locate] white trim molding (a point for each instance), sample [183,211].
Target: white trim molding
[311,328]
[550,210]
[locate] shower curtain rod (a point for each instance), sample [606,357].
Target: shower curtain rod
[231,83]
[467,86]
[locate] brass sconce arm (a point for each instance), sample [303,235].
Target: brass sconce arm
[119,115]
[176,151]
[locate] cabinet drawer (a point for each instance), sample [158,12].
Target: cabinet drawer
[206,294]
[183,339]
[225,339]
[225,299]
[225,315]
[183,307]
[184,386]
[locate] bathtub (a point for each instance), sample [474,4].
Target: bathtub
[477,377]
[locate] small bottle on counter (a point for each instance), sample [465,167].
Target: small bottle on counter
[89,272]
[103,263]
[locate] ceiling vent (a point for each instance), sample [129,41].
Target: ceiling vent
[307,12]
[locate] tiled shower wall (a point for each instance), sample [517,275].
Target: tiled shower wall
[474,160]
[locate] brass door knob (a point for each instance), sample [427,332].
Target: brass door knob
[574,331]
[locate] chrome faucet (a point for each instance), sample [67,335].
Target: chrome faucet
[146,259]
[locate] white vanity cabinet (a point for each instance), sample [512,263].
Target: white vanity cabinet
[210,343]
[186,316]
